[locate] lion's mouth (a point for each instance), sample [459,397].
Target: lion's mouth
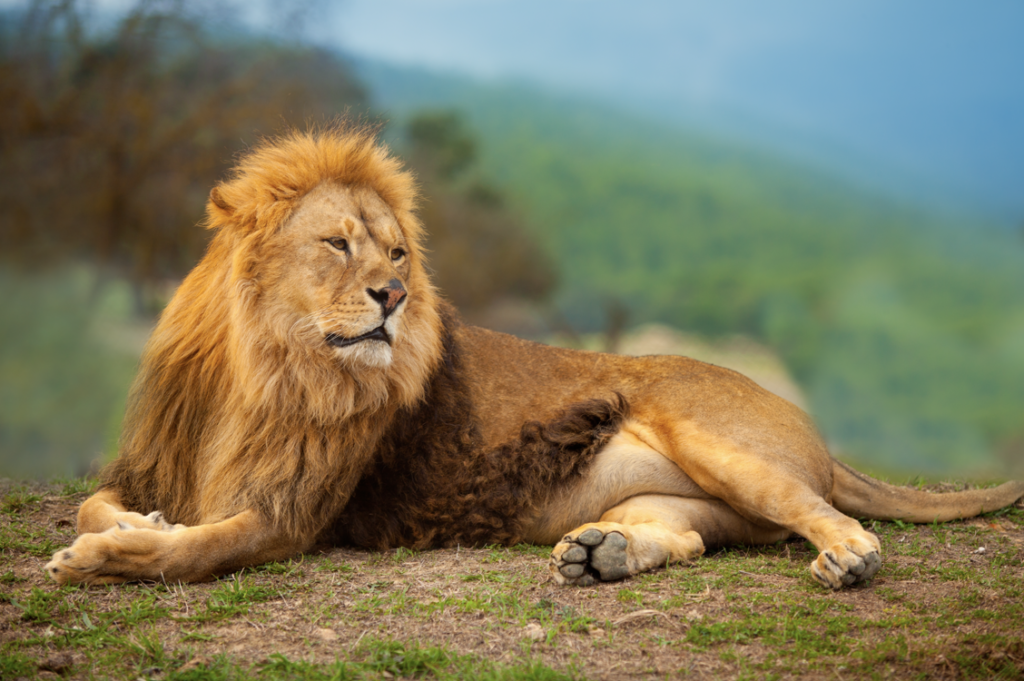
[378,334]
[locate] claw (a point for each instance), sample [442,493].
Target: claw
[853,560]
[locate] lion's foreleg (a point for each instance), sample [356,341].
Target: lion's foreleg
[188,554]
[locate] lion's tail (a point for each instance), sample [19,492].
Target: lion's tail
[861,496]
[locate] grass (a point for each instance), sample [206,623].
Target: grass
[938,608]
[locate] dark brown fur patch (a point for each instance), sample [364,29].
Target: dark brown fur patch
[434,484]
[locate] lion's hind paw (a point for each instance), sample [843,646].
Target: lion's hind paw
[588,555]
[853,560]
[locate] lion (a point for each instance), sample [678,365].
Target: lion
[307,385]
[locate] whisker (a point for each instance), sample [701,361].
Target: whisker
[306,322]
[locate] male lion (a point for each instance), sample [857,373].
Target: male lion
[306,384]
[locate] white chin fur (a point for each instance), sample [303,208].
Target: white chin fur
[372,354]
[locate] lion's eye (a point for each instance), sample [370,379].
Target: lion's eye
[338,243]
[397,254]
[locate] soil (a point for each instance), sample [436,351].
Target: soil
[946,604]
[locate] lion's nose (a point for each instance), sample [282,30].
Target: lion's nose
[389,297]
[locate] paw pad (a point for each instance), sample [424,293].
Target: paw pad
[590,556]
[846,563]
[609,557]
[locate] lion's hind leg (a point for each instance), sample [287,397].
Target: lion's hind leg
[650,531]
[849,554]
[776,473]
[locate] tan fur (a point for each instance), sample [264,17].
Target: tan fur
[305,374]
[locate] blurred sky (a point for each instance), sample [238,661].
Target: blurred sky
[923,95]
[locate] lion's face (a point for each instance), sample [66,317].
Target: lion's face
[340,277]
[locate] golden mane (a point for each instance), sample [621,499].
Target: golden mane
[234,407]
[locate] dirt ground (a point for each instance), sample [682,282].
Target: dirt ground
[948,603]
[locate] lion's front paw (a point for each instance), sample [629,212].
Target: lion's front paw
[853,560]
[83,562]
[588,554]
[111,557]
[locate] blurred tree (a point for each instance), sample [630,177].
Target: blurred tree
[481,250]
[110,140]
[441,145]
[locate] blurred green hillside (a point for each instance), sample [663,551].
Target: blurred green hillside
[905,328]
[65,365]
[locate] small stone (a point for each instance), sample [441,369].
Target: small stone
[577,554]
[327,634]
[591,537]
[571,570]
[586,580]
[980,550]
[57,664]
[534,632]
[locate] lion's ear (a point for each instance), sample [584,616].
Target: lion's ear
[218,200]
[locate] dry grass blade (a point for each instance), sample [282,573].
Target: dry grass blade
[643,614]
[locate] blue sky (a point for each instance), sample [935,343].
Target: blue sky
[923,90]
